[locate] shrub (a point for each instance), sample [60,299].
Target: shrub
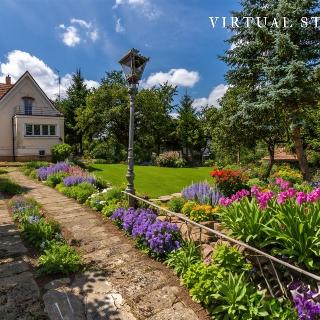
[61,152]
[75,180]
[55,179]
[225,295]
[245,221]
[176,204]
[59,258]
[230,258]
[30,168]
[80,192]
[181,260]
[199,213]
[202,193]
[229,181]
[111,206]
[287,173]
[44,172]
[10,187]
[208,163]
[37,230]
[2,171]
[159,237]
[170,159]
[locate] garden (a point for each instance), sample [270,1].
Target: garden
[278,216]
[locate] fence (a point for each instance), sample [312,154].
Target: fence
[257,254]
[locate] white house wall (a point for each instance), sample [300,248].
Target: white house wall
[26,146]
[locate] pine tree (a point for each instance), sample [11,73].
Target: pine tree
[189,129]
[277,67]
[76,98]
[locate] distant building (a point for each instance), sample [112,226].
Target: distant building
[281,155]
[30,125]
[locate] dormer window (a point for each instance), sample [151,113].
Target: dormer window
[28,101]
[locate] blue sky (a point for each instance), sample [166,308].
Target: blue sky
[45,35]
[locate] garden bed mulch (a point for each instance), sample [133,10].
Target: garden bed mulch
[137,286]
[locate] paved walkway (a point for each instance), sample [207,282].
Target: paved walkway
[19,293]
[128,285]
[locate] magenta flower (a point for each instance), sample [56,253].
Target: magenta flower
[301,198]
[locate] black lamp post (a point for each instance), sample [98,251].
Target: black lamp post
[133,65]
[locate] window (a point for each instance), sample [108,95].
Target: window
[52,130]
[36,129]
[45,130]
[27,106]
[29,129]
[40,129]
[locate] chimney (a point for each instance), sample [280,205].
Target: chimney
[8,80]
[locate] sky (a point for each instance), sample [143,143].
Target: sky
[51,37]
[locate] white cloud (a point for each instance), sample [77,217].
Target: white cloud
[213,100]
[119,27]
[78,31]
[178,77]
[144,6]
[18,62]
[70,36]
[81,23]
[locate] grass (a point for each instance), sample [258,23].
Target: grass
[10,187]
[153,181]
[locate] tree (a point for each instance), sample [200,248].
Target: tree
[277,67]
[189,129]
[76,98]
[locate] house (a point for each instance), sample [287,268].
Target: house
[281,155]
[30,125]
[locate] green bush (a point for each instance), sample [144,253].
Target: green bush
[38,231]
[2,171]
[230,258]
[176,204]
[61,152]
[181,260]
[59,258]
[246,221]
[55,179]
[111,206]
[80,192]
[170,159]
[288,173]
[10,187]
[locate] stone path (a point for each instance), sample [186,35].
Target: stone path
[19,293]
[126,284]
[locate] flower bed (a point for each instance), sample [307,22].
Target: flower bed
[57,257]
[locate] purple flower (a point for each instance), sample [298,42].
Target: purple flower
[74,180]
[160,236]
[44,172]
[202,193]
[304,300]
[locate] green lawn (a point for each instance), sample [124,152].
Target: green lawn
[154,181]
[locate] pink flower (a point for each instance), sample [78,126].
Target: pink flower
[285,195]
[226,202]
[301,198]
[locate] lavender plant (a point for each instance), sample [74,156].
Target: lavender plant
[44,172]
[203,193]
[75,180]
[160,237]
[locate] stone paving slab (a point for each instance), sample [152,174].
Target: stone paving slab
[131,286]
[19,293]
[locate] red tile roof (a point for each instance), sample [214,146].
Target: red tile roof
[4,88]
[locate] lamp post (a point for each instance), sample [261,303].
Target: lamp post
[133,65]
